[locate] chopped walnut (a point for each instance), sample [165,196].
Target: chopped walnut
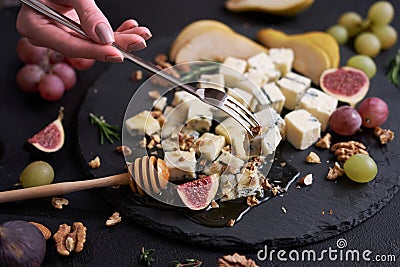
[124,150]
[214,204]
[324,142]
[313,158]
[43,229]
[136,76]
[305,180]
[161,59]
[231,222]
[384,135]
[252,201]
[344,150]
[114,219]
[143,142]
[95,163]
[156,138]
[236,260]
[59,202]
[151,144]
[335,172]
[265,184]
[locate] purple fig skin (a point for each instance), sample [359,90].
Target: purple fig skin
[21,245]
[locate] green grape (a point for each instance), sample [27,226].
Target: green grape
[351,21]
[367,43]
[339,32]
[386,34]
[360,168]
[364,63]
[381,13]
[37,173]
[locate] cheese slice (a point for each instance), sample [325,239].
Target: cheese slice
[302,128]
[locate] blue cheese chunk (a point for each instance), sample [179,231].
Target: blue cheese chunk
[227,186]
[181,164]
[248,183]
[216,81]
[175,118]
[209,146]
[292,91]
[229,128]
[280,123]
[199,116]
[319,104]
[299,78]
[226,163]
[142,123]
[242,96]
[182,98]
[302,129]
[275,96]
[232,68]
[283,59]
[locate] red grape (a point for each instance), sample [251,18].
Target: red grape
[80,63]
[51,87]
[374,112]
[66,73]
[345,121]
[28,52]
[29,77]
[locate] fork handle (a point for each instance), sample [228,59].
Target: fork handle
[60,18]
[63,188]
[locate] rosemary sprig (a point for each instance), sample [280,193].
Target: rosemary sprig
[394,69]
[146,256]
[196,71]
[188,263]
[106,130]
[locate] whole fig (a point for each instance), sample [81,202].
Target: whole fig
[21,244]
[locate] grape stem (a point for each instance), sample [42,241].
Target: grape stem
[394,69]
[106,130]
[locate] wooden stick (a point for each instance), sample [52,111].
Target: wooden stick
[63,188]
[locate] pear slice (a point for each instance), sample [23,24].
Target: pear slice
[194,29]
[309,59]
[326,42]
[277,7]
[216,45]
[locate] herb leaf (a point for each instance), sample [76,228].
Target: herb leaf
[188,263]
[394,69]
[146,256]
[111,132]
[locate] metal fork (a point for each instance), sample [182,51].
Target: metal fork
[210,96]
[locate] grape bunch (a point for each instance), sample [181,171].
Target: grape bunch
[47,72]
[369,35]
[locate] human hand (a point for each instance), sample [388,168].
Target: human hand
[42,31]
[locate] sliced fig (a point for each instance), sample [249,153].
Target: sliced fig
[50,138]
[347,84]
[198,194]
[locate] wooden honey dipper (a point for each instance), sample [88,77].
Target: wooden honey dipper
[152,175]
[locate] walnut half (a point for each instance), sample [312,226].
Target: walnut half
[236,260]
[68,241]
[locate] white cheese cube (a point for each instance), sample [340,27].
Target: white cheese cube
[228,183]
[216,81]
[199,116]
[272,75]
[180,97]
[279,122]
[261,62]
[242,96]
[252,81]
[174,120]
[292,91]
[248,183]
[302,129]
[283,59]
[159,104]
[265,118]
[240,144]
[226,163]
[275,96]
[170,144]
[319,104]
[232,69]
[181,164]
[299,78]
[209,146]
[142,123]
[229,127]
[266,143]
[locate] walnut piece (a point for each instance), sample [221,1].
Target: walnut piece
[154,94]
[305,180]
[335,172]
[114,219]
[214,204]
[136,76]
[313,158]
[324,142]
[344,150]
[384,135]
[95,163]
[67,241]
[231,222]
[45,231]
[236,260]
[252,201]
[59,202]
[124,150]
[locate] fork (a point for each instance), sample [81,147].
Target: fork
[211,96]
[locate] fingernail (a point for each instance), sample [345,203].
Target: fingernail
[137,46]
[114,59]
[147,35]
[104,33]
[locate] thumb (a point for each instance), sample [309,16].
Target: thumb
[93,21]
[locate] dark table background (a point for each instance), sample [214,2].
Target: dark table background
[21,115]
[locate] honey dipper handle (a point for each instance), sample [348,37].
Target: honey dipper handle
[63,188]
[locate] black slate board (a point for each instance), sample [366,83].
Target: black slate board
[304,222]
